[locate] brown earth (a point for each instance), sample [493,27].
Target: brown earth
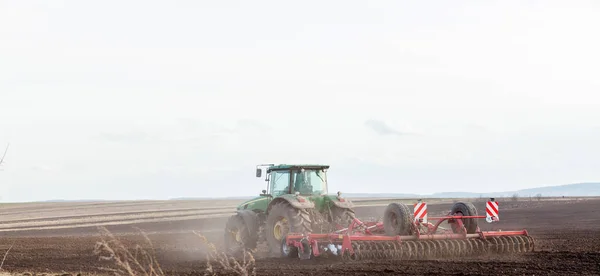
[567,243]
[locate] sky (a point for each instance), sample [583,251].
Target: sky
[165,99]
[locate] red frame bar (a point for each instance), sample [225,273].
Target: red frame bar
[292,238]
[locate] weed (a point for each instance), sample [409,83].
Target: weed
[228,263]
[140,261]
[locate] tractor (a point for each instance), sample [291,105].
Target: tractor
[296,201]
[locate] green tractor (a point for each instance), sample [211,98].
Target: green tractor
[296,200]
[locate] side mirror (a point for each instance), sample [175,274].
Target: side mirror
[264,193]
[258,172]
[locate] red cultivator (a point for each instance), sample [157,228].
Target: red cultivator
[406,235]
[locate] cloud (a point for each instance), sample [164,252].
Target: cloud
[211,127]
[252,124]
[475,128]
[382,128]
[41,167]
[184,131]
[196,125]
[125,137]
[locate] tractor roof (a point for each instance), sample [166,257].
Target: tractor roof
[296,166]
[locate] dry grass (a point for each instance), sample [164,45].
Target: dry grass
[227,263]
[128,262]
[139,261]
[5,254]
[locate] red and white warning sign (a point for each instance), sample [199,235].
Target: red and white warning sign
[420,211]
[491,211]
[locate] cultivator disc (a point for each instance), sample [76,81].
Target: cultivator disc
[374,240]
[419,250]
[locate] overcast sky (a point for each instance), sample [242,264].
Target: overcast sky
[161,99]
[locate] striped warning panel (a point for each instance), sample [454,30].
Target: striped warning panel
[491,210]
[420,211]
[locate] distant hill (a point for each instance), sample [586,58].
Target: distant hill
[579,189]
[380,195]
[212,198]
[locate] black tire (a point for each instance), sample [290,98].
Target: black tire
[288,251]
[306,252]
[298,221]
[397,220]
[465,209]
[342,216]
[237,236]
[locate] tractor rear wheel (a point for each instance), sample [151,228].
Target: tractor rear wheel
[464,209]
[397,220]
[283,218]
[342,216]
[238,236]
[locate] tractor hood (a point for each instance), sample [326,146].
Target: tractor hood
[255,204]
[339,201]
[322,201]
[299,201]
[261,203]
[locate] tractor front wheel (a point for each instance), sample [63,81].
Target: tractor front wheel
[283,219]
[238,236]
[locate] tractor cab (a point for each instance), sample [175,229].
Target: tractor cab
[305,180]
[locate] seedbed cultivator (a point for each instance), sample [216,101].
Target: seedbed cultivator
[409,235]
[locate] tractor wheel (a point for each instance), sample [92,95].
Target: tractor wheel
[237,236]
[342,216]
[282,219]
[464,209]
[397,220]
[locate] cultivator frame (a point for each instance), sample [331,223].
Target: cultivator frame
[368,240]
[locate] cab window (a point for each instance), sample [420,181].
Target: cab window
[280,182]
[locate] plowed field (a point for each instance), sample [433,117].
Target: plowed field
[59,238]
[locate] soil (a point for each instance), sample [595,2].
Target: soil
[567,237]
